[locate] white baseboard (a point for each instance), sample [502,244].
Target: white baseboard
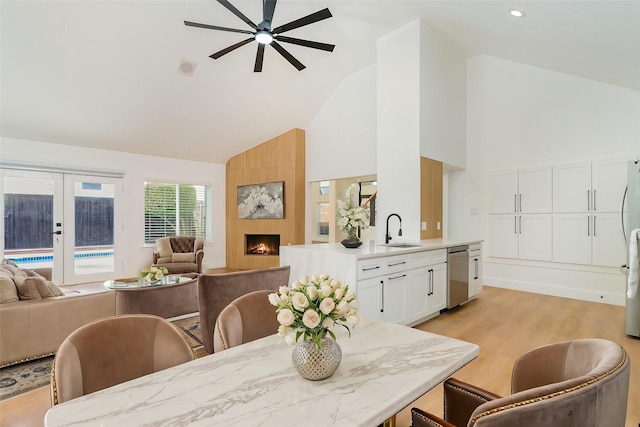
[558,291]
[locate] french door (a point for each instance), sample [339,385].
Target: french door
[68,222]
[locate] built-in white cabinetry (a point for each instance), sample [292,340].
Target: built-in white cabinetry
[521,190]
[475,269]
[403,288]
[520,221]
[587,198]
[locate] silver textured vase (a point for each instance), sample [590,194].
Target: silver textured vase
[316,364]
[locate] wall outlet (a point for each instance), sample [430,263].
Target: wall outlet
[424,225]
[438,225]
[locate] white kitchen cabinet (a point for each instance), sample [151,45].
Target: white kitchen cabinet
[382,288]
[526,190]
[582,238]
[475,270]
[384,297]
[596,186]
[535,237]
[523,236]
[417,290]
[437,286]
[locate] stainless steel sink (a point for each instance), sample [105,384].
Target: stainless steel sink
[401,245]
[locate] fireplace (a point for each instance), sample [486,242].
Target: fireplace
[262,244]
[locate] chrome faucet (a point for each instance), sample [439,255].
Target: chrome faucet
[387,235]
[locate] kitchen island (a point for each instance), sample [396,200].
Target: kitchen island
[404,283]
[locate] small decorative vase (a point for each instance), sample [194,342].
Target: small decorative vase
[313,364]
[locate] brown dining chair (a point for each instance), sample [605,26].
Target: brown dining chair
[113,350]
[579,383]
[246,319]
[216,291]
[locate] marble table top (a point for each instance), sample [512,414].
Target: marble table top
[384,368]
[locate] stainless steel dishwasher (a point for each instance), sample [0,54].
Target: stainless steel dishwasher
[458,275]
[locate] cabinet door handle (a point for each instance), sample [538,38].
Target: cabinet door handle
[382,296]
[476,272]
[515,203]
[520,223]
[588,225]
[515,224]
[594,219]
[397,263]
[398,277]
[520,202]
[371,268]
[588,200]
[594,205]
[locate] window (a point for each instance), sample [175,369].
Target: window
[174,210]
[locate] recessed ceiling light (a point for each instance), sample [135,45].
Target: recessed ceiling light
[517,13]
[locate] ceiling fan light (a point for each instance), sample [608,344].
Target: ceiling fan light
[263,37]
[517,13]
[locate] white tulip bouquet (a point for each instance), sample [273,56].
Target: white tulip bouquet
[311,307]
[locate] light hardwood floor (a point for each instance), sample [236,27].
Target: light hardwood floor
[503,323]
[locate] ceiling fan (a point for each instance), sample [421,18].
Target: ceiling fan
[265,34]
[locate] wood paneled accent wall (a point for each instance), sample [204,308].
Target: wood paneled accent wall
[279,159]
[430,197]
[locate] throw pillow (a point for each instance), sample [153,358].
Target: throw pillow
[55,290]
[186,257]
[164,247]
[27,289]
[8,290]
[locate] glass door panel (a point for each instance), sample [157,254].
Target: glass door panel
[92,214]
[32,223]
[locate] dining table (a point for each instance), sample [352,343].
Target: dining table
[385,367]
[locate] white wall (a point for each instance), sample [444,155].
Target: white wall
[341,138]
[443,89]
[136,169]
[517,116]
[399,130]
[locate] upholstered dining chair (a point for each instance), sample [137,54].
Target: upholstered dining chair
[113,350]
[216,291]
[247,318]
[579,383]
[179,254]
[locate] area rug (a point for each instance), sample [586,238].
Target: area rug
[27,376]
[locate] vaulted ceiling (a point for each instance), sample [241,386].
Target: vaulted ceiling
[108,74]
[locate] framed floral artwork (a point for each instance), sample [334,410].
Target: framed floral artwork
[261,201]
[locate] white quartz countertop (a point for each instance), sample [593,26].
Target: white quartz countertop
[384,368]
[372,248]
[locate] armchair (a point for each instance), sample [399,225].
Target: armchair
[179,254]
[580,383]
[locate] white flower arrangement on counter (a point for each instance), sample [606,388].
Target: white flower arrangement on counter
[351,215]
[311,307]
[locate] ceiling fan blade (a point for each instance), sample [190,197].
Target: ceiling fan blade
[213,27]
[268,7]
[288,56]
[259,57]
[239,14]
[309,19]
[307,43]
[230,48]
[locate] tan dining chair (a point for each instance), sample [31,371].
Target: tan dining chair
[579,383]
[216,291]
[246,319]
[113,350]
